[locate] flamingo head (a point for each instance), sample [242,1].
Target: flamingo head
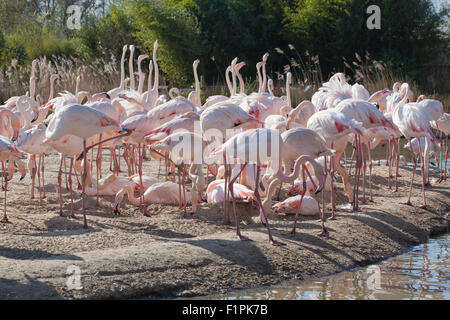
[196,62]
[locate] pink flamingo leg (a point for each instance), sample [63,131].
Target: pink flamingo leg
[333,195]
[65,173]
[236,217]
[5,218]
[422,166]
[32,161]
[83,181]
[61,213]
[263,213]
[39,180]
[363,155]
[43,176]
[397,164]
[292,233]
[413,172]
[72,214]
[370,172]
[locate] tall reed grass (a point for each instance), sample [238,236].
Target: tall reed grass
[104,74]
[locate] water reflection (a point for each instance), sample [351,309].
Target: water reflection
[422,273]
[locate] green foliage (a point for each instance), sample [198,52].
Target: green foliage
[177,32]
[109,33]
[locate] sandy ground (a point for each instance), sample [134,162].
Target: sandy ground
[170,254]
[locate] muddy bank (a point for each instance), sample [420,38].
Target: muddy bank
[170,254]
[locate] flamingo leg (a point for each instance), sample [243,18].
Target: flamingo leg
[351,161]
[356,183]
[179,188]
[72,208]
[61,213]
[226,216]
[263,213]
[236,217]
[43,176]
[39,179]
[65,173]
[446,157]
[184,188]
[363,156]
[292,233]
[97,168]
[413,172]
[32,163]
[144,208]
[396,164]
[333,195]
[370,172]
[83,181]
[422,166]
[5,218]
[389,162]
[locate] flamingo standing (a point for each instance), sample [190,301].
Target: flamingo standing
[10,153]
[84,122]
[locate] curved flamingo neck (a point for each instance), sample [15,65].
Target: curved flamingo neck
[155,62]
[294,113]
[197,85]
[258,72]
[227,79]
[52,88]
[288,88]
[141,77]
[132,83]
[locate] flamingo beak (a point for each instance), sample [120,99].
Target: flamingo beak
[321,184]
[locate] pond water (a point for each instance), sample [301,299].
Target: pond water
[421,273]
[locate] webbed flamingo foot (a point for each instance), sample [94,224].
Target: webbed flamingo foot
[323,233]
[243,238]
[408,203]
[276,243]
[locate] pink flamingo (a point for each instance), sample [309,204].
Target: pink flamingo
[443,124]
[161,192]
[414,121]
[244,146]
[9,152]
[308,206]
[84,122]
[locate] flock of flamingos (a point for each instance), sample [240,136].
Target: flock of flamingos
[251,144]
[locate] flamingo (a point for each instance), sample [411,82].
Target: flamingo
[113,93]
[194,96]
[10,153]
[334,127]
[308,206]
[443,124]
[161,192]
[84,122]
[9,121]
[217,120]
[185,148]
[216,192]
[140,73]
[244,147]
[31,142]
[414,121]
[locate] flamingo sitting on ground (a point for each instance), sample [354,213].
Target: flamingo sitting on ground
[161,192]
[308,206]
[216,192]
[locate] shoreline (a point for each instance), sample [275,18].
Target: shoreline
[171,256]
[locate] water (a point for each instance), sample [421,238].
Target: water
[421,273]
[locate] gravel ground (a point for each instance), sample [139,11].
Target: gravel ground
[172,254]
